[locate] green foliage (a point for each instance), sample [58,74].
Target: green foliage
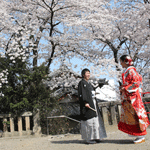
[40,95]
[14,99]
[6,122]
[37,91]
[24,90]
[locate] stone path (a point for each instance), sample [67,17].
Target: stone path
[116,140]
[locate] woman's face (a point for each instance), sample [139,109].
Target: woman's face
[87,75]
[123,64]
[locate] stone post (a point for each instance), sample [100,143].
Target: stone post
[20,125]
[27,119]
[5,125]
[105,116]
[11,124]
[113,115]
[36,120]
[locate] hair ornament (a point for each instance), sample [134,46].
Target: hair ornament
[128,61]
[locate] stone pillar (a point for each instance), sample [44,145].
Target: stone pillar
[11,124]
[113,114]
[105,116]
[36,120]
[118,113]
[119,110]
[27,119]
[5,125]
[19,124]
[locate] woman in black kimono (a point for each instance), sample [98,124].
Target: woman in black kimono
[92,126]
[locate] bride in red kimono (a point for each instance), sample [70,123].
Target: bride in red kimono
[133,120]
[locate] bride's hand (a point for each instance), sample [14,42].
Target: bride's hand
[121,89]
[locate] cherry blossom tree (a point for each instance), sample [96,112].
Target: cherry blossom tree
[25,24]
[120,28]
[38,28]
[97,32]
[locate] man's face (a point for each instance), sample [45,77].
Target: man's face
[87,75]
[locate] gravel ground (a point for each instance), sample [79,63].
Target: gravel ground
[116,140]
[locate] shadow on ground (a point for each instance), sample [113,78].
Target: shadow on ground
[120,141]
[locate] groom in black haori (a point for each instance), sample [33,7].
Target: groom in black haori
[92,125]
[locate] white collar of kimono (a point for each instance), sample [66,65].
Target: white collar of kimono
[128,68]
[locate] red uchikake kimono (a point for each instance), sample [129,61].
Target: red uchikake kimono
[133,120]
